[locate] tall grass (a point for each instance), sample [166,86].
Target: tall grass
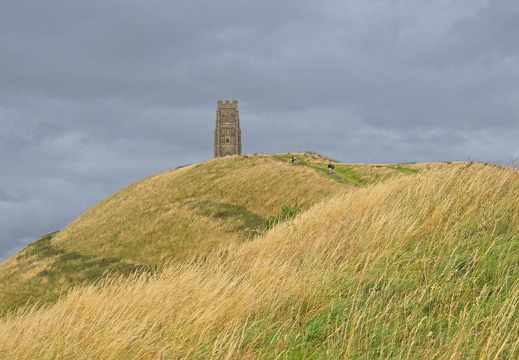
[173,216]
[421,267]
[166,216]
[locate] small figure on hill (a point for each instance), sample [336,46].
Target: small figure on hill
[330,168]
[293,159]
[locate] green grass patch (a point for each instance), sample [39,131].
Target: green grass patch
[300,159]
[404,169]
[351,174]
[342,173]
[241,217]
[61,271]
[42,248]
[288,211]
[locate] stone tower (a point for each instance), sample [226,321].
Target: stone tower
[227,135]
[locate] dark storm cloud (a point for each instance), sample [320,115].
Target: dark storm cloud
[97,94]
[136,49]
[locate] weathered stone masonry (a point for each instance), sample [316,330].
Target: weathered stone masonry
[227,134]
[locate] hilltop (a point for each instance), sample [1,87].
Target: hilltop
[254,257]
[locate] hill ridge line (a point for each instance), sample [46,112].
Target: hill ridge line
[332,174]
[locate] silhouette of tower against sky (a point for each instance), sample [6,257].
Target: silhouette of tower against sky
[227,135]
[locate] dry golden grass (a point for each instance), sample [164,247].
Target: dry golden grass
[173,216]
[421,267]
[150,217]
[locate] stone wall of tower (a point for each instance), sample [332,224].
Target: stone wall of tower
[227,134]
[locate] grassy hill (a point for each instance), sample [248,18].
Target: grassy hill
[172,216]
[373,261]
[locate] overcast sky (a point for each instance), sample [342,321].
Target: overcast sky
[95,95]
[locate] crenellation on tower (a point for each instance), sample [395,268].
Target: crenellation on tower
[227,134]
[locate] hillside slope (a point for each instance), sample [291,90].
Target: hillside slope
[172,216]
[178,213]
[415,267]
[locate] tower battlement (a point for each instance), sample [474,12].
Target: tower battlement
[227,103]
[227,134]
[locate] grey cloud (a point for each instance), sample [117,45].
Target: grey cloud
[6,197]
[95,95]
